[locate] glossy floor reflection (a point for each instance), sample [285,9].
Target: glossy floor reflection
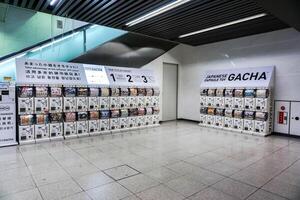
[178,160]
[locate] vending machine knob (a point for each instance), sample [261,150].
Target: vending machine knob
[297,118]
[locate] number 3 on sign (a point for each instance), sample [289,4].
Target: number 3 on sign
[145,79]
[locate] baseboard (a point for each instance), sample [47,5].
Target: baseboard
[286,135]
[190,120]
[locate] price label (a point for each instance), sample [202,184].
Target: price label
[96,75]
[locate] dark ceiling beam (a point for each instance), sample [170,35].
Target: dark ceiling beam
[24,2]
[74,14]
[206,19]
[39,5]
[66,10]
[45,6]
[62,12]
[116,9]
[139,11]
[121,10]
[287,11]
[180,15]
[94,10]
[57,6]
[107,8]
[30,6]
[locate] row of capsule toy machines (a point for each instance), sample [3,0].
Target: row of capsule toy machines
[245,110]
[50,112]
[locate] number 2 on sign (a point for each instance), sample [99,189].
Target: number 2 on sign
[129,78]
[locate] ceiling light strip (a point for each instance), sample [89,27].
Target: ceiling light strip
[53,2]
[157,12]
[223,25]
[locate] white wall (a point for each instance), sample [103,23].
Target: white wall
[172,56]
[279,48]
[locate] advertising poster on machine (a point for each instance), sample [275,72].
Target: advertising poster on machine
[7,114]
[44,72]
[241,77]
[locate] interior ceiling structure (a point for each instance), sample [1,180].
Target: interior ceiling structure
[189,17]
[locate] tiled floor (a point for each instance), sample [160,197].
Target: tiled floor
[178,160]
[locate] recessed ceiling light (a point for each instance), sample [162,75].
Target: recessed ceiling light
[223,25]
[157,12]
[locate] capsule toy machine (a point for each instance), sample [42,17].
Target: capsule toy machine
[25,100]
[228,118]
[238,116]
[56,126]
[203,115]
[249,117]
[124,118]
[203,96]
[148,116]
[115,98]
[82,99]
[211,93]
[26,129]
[219,99]
[124,98]
[55,99]
[228,99]
[262,100]
[82,124]
[155,98]
[155,116]
[141,98]
[69,99]
[94,124]
[148,98]
[41,127]
[210,118]
[70,125]
[219,118]
[133,92]
[93,99]
[132,117]
[261,123]
[41,101]
[249,99]
[115,119]
[238,100]
[104,99]
[141,119]
[155,119]
[104,121]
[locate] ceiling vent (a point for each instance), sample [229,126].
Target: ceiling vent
[59,24]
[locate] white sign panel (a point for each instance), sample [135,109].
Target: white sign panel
[96,75]
[44,72]
[119,76]
[63,73]
[7,115]
[241,77]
